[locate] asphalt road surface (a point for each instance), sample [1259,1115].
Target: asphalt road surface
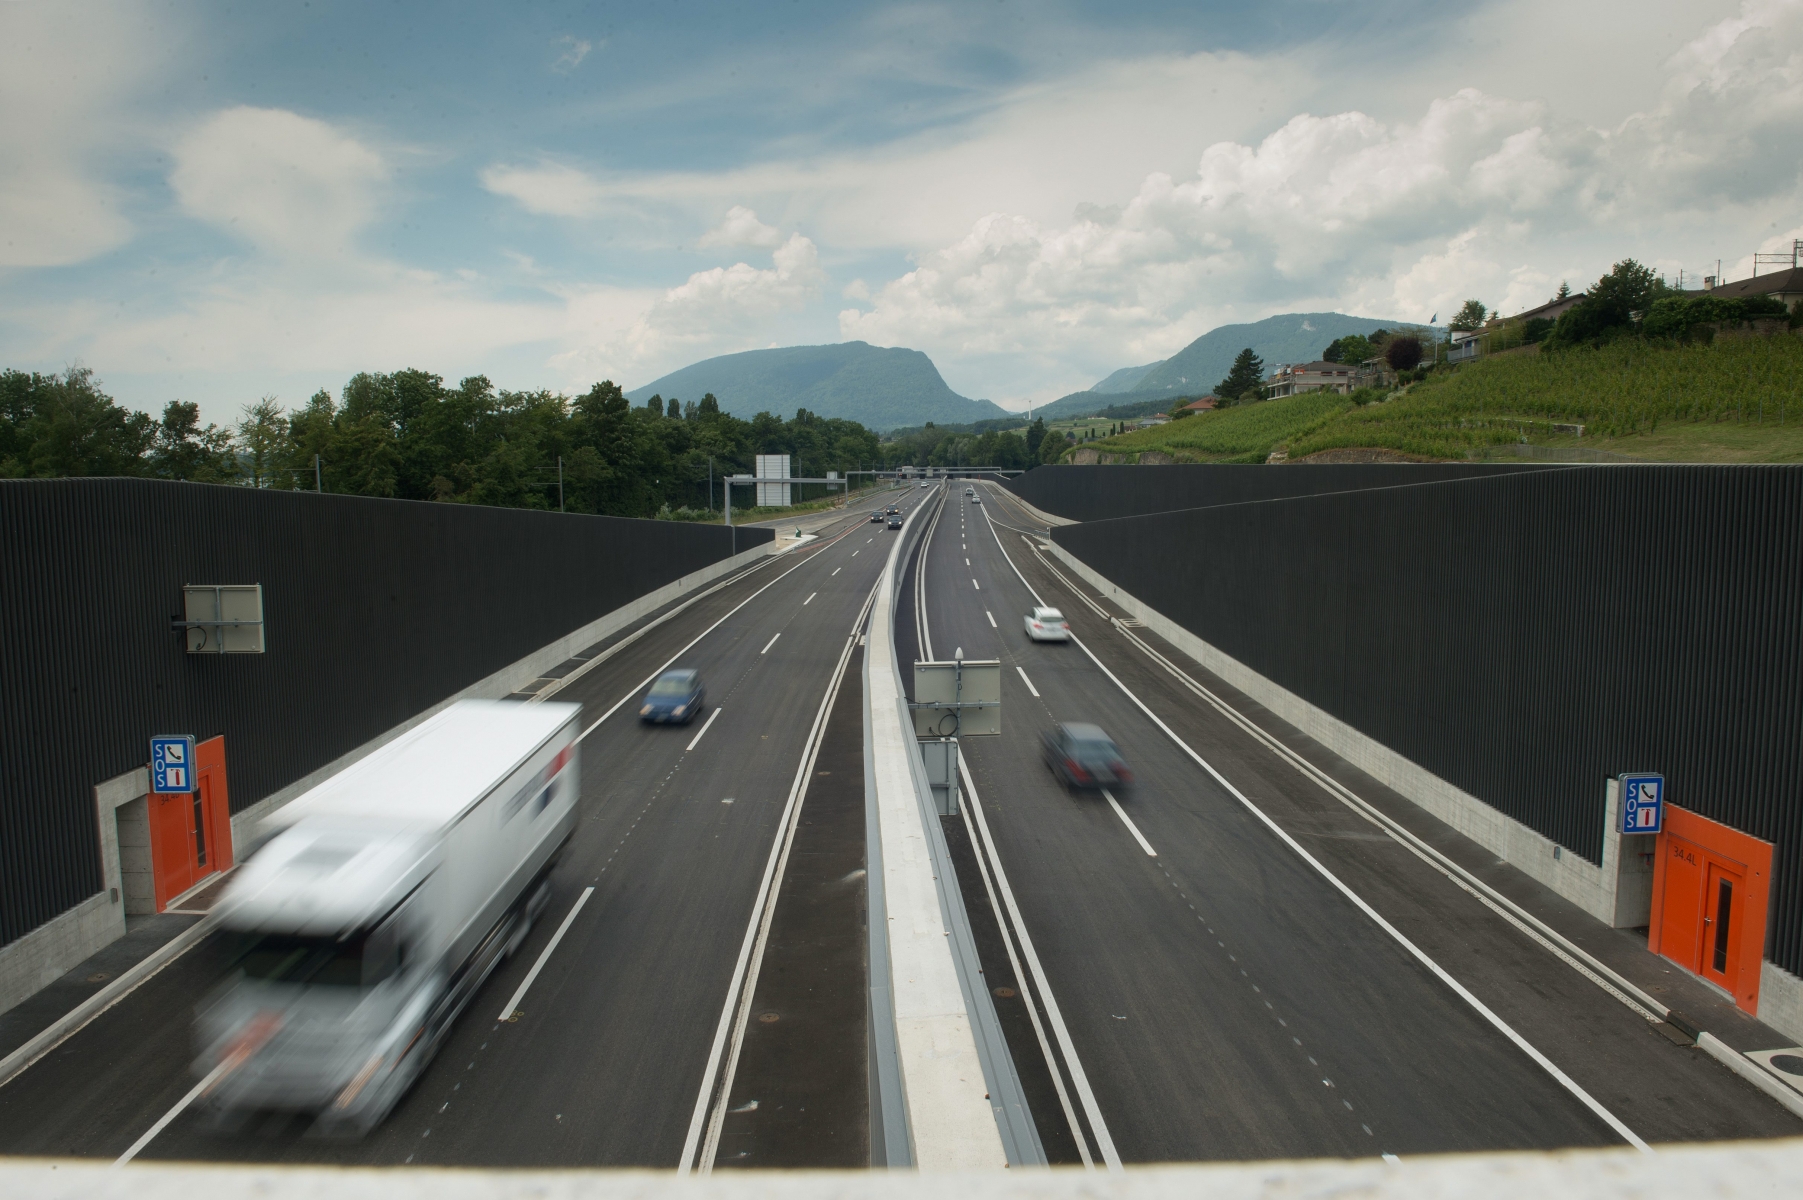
[608,1052]
[1222,962]
[1263,974]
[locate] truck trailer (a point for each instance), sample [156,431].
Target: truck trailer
[378,904]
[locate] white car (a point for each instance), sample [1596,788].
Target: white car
[1048,625]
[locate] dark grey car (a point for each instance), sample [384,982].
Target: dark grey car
[1083,756]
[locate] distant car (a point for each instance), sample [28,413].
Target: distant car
[877,515]
[676,697]
[975,499]
[1048,625]
[924,483]
[891,510]
[970,491]
[895,520]
[1085,757]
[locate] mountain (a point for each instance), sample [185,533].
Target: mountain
[1082,404]
[1126,378]
[883,388]
[1287,338]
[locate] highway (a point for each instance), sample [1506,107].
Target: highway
[1225,961]
[607,1057]
[1243,967]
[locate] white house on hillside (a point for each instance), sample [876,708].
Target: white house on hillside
[1319,376]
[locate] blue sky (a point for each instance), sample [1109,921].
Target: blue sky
[219,202]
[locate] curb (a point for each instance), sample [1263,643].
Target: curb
[1750,1071]
[77,1018]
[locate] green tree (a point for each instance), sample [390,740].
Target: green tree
[56,425]
[1247,374]
[1353,348]
[1609,307]
[1035,436]
[183,450]
[266,440]
[1470,316]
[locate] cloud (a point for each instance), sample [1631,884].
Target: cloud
[573,51]
[713,312]
[288,184]
[1479,195]
[728,304]
[66,85]
[741,228]
[548,189]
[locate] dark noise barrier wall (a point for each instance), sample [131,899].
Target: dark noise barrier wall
[375,610]
[1523,635]
[1098,493]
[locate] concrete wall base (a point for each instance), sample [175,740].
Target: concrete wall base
[1618,892]
[41,957]
[1781,1001]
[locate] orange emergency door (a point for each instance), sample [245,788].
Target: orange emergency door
[1710,886]
[191,832]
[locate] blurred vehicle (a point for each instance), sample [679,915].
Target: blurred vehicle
[379,906]
[1083,756]
[924,483]
[975,499]
[676,696]
[970,491]
[877,515]
[1048,625]
[895,521]
[891,510]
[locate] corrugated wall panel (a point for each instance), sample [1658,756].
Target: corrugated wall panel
[1525,634]
[375,609]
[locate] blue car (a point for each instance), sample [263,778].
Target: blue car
[676,697]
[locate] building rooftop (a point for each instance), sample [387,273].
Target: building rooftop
[1789,280]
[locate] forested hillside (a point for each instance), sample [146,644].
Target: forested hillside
[407,435]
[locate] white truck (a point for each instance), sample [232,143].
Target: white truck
[382,901]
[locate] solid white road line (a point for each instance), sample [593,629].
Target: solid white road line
[810,599]
[1529,925]
[544,956]
[1128,822]
[1079,1079]
[180,1105]
[1026,990]
[991,617]
[705,726]
[1023,674]
[770,643]
[552,689]
[1567,1082]
[652,678]
[743,987]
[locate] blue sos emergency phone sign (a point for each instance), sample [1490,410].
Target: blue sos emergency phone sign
[171,764]
[1642,803]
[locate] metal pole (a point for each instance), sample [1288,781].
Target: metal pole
[317,487]
[710,483]
[560,483]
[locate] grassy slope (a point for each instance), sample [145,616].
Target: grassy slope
[1737,400]
[1244,434]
